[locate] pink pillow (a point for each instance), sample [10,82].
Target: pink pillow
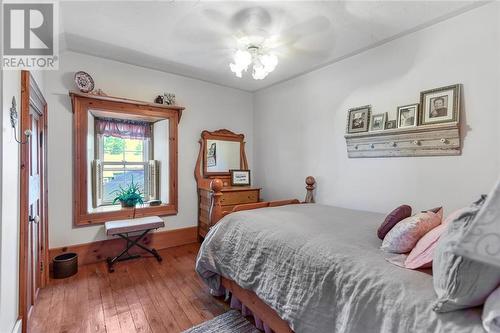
[422,254]
[405,235]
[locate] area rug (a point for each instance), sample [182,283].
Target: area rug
[229,322]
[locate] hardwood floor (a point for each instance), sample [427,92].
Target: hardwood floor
[142,295]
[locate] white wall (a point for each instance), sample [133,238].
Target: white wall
[299,125]
[208,106]
[9,235]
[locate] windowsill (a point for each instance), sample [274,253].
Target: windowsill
[117,212]
[116,208]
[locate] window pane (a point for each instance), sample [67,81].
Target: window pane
[114,178]
[134,156]
[113,149]
[134,145]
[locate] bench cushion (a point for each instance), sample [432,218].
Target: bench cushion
[133,225]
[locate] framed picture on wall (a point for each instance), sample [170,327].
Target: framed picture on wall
[407,115]
[240,177]
[358,119]
[390,124]
[377,122]
[440,105]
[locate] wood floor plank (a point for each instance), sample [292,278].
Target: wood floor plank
[96,323]
[70,322]
[182,284]
[108,303]
[54,320]
[160,315]
[184,266]
[118,287]
[41,313]
[184,315]
[138,316]
[140,296]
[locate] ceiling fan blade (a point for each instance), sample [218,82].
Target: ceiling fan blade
[312,26]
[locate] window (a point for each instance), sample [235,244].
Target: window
[115,138]
[123,159]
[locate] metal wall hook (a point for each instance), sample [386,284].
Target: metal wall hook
[13,123]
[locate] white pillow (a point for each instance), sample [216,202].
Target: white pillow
[404,235]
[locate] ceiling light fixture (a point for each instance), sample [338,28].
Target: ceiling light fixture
[262,62]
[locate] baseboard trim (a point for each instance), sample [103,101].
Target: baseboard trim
[93,252]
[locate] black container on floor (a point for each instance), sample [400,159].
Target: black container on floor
[65,265]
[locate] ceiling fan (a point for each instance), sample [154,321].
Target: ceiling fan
[258,36]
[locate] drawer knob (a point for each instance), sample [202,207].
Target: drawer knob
[356,147]
[416,142]
[393,144]
[443,140]
[372,146]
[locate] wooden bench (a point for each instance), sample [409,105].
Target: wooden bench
[123,229]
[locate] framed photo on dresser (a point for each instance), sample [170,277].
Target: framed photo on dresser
[240,177]
[440,105]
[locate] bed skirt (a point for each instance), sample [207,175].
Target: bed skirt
[235,303]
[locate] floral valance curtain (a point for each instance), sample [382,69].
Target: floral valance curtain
[121,128]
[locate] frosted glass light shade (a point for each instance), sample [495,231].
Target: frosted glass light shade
[262,63]
[242,59]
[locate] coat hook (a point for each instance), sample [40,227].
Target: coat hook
[13,123]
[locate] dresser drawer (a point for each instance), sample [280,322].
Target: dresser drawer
[240,197]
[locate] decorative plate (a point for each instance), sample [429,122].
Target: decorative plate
[84,81]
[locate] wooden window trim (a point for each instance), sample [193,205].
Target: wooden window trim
[82,104]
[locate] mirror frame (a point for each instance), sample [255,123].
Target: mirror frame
[221,134]
[82,104]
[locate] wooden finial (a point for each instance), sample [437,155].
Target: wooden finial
[310,182]
[217,185]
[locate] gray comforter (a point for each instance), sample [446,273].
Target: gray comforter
[321,269]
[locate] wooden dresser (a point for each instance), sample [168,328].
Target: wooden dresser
[231,196]
[220,152]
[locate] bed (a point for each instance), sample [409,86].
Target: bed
[319,269]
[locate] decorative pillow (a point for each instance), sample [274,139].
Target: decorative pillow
[434,210]
[422,254]
[392,219]
[405,235]
[460,282]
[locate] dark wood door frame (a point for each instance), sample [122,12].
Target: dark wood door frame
[31,96]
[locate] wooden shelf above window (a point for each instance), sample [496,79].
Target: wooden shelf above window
[425,140]
[139,104]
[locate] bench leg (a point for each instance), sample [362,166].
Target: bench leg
[131,243]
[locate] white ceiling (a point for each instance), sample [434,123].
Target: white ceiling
[197,39]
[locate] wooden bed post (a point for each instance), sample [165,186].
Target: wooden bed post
[216,213]
[310,181]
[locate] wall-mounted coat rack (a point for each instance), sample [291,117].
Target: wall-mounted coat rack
[424,140]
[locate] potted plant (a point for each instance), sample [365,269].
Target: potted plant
[129,196]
